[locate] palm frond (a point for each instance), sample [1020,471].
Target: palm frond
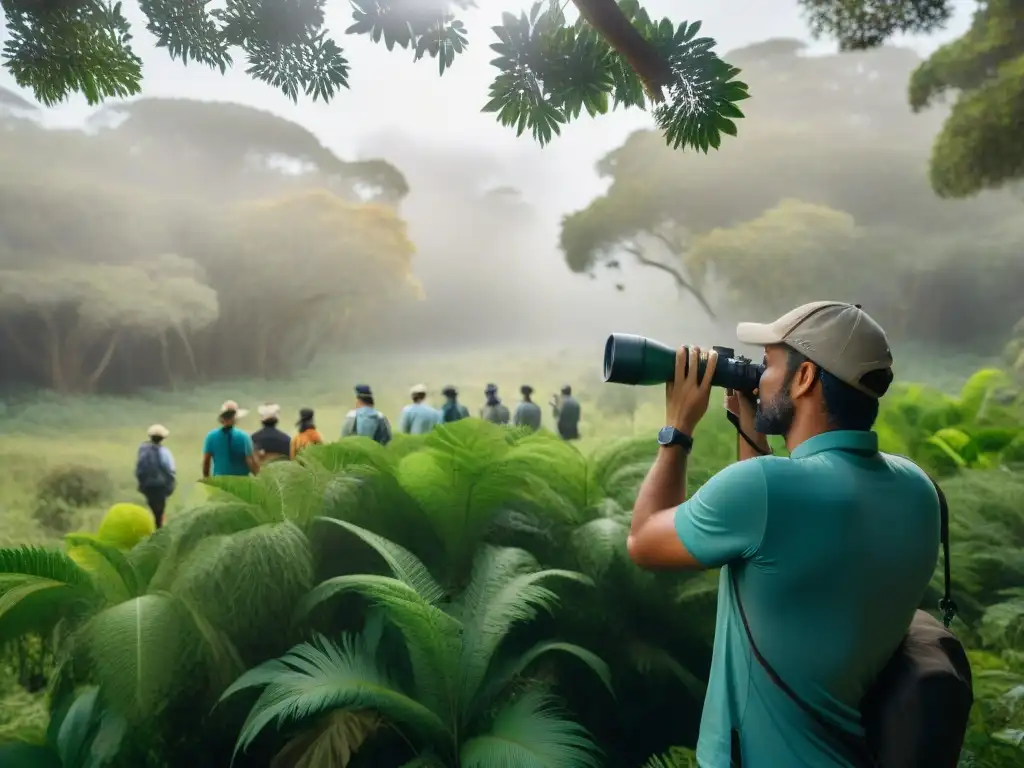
[432,637]
[141,652]
[146,556]
[331,743]
[319,677]
[506,588]
[405,566]
[109,566]
[530,732]
[244,583]
[88,733]
[500,678]
[676,757]
[38,587]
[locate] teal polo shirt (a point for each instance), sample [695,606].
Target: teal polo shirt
[229,449]
[833,548]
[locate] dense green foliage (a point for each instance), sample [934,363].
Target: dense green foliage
[979,146]
[794,211]
[133,254]
[459,599]
[550,68]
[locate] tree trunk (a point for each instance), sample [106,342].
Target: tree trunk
[101,366]
[58,379]
[189,353]
[165,359]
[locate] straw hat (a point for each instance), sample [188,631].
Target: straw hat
[157,430]
[269,411]
[419,389]
[230,406]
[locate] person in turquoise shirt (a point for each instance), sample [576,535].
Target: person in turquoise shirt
[832,549]
[228,450]
[418,418]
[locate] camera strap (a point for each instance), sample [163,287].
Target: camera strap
[735,421]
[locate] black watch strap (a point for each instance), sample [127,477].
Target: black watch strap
[672,436]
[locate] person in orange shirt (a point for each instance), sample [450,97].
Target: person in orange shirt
[307,435]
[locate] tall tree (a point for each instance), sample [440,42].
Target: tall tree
[550,68]
[841,148]
[123,269]
[979,146]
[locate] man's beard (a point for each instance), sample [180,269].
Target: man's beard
[775,417]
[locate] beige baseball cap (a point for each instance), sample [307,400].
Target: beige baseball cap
[841,338]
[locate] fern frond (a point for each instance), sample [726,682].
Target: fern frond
[432,637]
[500,678]
[530,732]
[676,757]
[319,677]
[506,589]
[39,587]
[405,566]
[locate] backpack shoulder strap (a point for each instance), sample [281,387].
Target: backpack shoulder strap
[947,605]
[854,745]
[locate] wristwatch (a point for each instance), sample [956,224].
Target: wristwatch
[672,436]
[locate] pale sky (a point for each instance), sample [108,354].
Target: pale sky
[392,94]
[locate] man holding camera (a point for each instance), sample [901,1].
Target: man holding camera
[828,552]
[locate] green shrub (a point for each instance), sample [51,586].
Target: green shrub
[63,490]
[79,486]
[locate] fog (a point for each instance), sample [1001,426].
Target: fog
[484,208]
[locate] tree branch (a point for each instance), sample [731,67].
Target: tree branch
[681,282]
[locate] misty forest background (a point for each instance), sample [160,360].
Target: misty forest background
[171,253]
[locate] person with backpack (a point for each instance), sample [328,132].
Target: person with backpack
[566,409]
[228,450]
[308,434]
[155,473]
[270,443]
[827,555]
[418,418]
[452,409]
[365,420]
[494,410]
[527,413]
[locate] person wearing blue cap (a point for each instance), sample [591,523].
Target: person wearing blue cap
[365,420]
[494,410]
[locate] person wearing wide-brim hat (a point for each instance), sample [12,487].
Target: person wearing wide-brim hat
[155,472]
[417,417]
[270,442]
[308,433]
[228,450]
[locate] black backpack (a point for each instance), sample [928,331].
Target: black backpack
[150,472]
[916,713]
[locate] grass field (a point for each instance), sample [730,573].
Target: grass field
[104,432]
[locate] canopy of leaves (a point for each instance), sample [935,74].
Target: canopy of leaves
[549,69]
[839,148]
[979,146]
[134,254]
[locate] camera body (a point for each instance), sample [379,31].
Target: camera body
[637,360]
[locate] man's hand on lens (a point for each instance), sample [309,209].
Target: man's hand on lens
[686,399]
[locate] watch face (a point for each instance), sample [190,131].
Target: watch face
[665,435]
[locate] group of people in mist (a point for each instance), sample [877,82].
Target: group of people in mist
[228,450]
